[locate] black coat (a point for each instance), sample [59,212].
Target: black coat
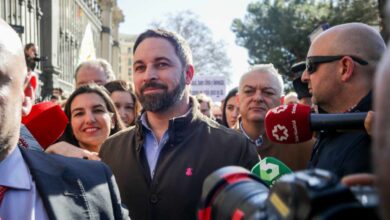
[73,188]
[344,153]
[197,146]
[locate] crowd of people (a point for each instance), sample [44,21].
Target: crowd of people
[143,150]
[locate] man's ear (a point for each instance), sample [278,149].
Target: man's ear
[29,95]
[190,72]
[347,67]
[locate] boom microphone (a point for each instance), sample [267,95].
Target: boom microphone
[270,169]
[289,124]
[45,123]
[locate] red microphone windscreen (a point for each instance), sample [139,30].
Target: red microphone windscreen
[288,124]
[46,122]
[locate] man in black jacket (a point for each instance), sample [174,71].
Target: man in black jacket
[340,67]
[161,163]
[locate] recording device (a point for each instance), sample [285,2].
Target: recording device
[288,124]
[270,169]
[39,59]
[234,193]
[44,125]
[31,62]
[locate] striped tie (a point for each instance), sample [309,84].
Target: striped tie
[3,189]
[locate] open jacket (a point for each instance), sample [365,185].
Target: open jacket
[196,147]
[344,152]
[73,188]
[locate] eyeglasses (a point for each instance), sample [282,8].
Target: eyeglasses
[313,61]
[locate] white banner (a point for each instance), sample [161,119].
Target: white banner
[212,86]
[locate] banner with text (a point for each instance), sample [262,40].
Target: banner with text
[212,86]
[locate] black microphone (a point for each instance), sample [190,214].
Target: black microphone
[290,124]
[346,121]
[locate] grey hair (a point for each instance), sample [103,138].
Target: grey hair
[270,69]
[97,63]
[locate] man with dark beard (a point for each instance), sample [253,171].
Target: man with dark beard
[160,164]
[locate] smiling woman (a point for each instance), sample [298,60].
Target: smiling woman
[92,117]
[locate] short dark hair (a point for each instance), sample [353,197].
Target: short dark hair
[28,46]
[118,85]
[182,49]
[59,89]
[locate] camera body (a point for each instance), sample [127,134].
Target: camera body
[235,193]
[31,62]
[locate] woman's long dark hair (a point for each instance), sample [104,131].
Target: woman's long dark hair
[231,94]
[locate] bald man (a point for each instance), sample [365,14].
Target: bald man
[35,185]
[340,68]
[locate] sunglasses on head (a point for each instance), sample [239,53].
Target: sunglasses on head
[313,61]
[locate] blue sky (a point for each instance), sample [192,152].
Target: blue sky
[216,14]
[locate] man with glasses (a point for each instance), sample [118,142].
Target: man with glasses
[340,68]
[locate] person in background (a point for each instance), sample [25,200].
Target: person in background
[35,185]
[122,94]
[205,103]
[230,109]
[301,88]
[58,92]
[216,111]
[30,54]
[161,163]
[56,99]
[260,90]
[97,71]
[290,98]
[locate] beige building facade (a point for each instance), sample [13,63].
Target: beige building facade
[126,42]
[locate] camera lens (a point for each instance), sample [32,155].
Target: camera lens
[232,193]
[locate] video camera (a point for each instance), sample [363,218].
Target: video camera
[235,193]
[39,59]
[31,61]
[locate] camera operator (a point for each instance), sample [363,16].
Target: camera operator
[30,53]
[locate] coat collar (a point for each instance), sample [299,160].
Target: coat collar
[62,193]
[364,105]
[178,127]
